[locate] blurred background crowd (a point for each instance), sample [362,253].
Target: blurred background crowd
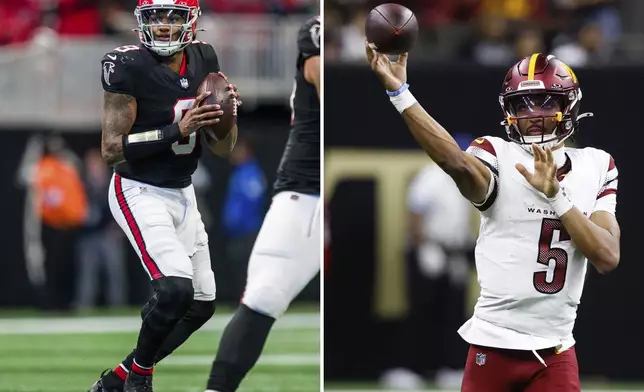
[88,18]
[497,32]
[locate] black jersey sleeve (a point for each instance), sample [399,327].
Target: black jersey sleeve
[308,38]
[209,56]
[118,73]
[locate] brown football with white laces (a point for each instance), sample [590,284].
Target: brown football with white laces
[220,95]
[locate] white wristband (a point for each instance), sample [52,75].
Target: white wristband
[560,203]
[403,101]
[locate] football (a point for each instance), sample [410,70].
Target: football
[391,28]
[217,84]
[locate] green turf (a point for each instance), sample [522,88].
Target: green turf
[69,363]
[130,311]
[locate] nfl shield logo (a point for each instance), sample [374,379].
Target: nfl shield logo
[184,83]
[480,359]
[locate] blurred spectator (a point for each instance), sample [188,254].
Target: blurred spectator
[88,18]
[439,257]
[75,17]
[21,18]
[352,38]
[491,46]
[603,13]
[528,41]
[118,17]
[244,210]
[100,246]
[332,34]
[260,6]
[586,50]
[534,10]
[482,30]
[444,12]
[61,202]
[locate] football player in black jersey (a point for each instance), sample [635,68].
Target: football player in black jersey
[151,118]
[286,255]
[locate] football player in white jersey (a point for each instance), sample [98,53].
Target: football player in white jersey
[546,210]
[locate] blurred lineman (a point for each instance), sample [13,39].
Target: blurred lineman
[286,255]
[151,116]
[546,209]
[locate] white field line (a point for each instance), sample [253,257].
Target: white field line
[40,326]
[267,359]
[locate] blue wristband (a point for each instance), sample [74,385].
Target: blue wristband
[401,90]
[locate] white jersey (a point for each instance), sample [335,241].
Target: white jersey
[530,273]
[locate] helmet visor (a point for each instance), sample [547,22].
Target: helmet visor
[535,105]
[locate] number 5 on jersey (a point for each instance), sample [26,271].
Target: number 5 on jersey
[555,282]
[186,145]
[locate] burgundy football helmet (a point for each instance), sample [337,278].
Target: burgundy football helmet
[178,15]
[531,89]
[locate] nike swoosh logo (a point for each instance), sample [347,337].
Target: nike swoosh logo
[112,57]
[479,141]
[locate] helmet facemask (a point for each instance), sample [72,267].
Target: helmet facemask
[544,118]
[534,118]
[166,29]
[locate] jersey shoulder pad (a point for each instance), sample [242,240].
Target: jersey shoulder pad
[208,54]
[308,38]
[604,169]
[595,158]
[486,149]
[119,69]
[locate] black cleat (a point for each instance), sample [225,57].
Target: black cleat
[108,382]
[138,383]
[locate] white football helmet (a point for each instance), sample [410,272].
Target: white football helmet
[177,16]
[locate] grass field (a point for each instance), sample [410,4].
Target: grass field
[67,354]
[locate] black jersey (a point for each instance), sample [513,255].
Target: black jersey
[162,98]
[299,169]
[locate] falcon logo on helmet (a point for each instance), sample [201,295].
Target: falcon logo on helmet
[167,26]
[535,113]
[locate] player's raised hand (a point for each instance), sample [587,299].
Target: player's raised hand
[544,178]
[199,116]
[392,74]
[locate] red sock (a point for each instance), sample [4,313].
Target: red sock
[141,370]
[121,371]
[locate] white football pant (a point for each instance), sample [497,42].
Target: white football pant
[166,230]
[286,255]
